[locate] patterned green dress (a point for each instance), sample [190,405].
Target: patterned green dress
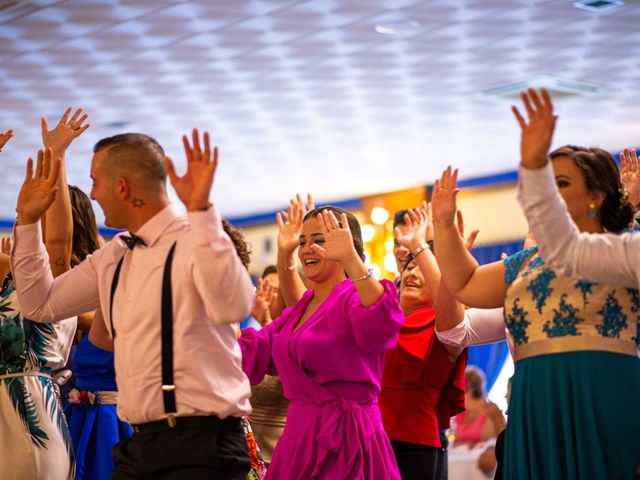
[573,412]
[34,438]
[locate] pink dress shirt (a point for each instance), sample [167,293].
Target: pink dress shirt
[211,292]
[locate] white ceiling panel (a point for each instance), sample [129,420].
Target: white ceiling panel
[308,95]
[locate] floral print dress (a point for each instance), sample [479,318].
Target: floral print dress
[573,409]
[34,437]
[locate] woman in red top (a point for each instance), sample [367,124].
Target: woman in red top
[423,380]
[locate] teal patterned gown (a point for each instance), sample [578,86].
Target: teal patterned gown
[34,438]
[573,412]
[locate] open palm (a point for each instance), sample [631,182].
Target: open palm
[65,132]
[443,198]
[418,222]
[630,174]
[537,130]
[194,187]
[38,190]
[338,241]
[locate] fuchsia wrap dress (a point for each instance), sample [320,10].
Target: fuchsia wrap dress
[331,370]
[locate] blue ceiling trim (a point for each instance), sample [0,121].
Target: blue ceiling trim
[351,204]
[497,179]
[270,217]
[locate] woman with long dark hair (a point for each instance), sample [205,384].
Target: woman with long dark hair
[91,408]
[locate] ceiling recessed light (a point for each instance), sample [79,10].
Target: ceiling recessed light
[557,88]
[598,5]
[401,27]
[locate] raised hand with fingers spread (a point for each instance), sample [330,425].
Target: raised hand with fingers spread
[194,187]
[4,138]
[443,198]
[418,228]
[471,239]
[38,190]
[338,242]
[289,228]
[537,129]
[66,131]
[630,174]
[266,295]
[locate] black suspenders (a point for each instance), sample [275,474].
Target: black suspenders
[168,387]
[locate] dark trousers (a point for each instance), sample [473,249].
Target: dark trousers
[196,448]
[419,462]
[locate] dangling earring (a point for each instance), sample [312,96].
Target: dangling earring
[593,212]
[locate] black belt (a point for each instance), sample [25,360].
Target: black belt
[158,426]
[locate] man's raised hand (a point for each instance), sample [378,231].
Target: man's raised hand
[194,187]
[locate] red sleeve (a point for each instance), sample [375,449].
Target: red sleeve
[452,394]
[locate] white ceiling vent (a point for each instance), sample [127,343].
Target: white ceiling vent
[557,87]
[598,5]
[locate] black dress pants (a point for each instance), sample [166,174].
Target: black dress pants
[419,462]
[196,448]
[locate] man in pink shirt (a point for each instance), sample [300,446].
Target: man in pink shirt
[170,291]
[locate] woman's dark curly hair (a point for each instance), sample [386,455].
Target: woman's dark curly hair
[85,232]
[601,174]
[242,247]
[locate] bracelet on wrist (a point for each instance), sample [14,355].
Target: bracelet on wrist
[288,268]
[366,276]
[419,250]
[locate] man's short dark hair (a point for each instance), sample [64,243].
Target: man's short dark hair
[398,218]
[135,156]
[268,270]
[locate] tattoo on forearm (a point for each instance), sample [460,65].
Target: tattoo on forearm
[138,202]
[59,262]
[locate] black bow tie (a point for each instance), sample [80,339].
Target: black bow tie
[132,241]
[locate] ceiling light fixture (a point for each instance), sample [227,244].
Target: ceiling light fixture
[598,5]
[397,27]
[557,87]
